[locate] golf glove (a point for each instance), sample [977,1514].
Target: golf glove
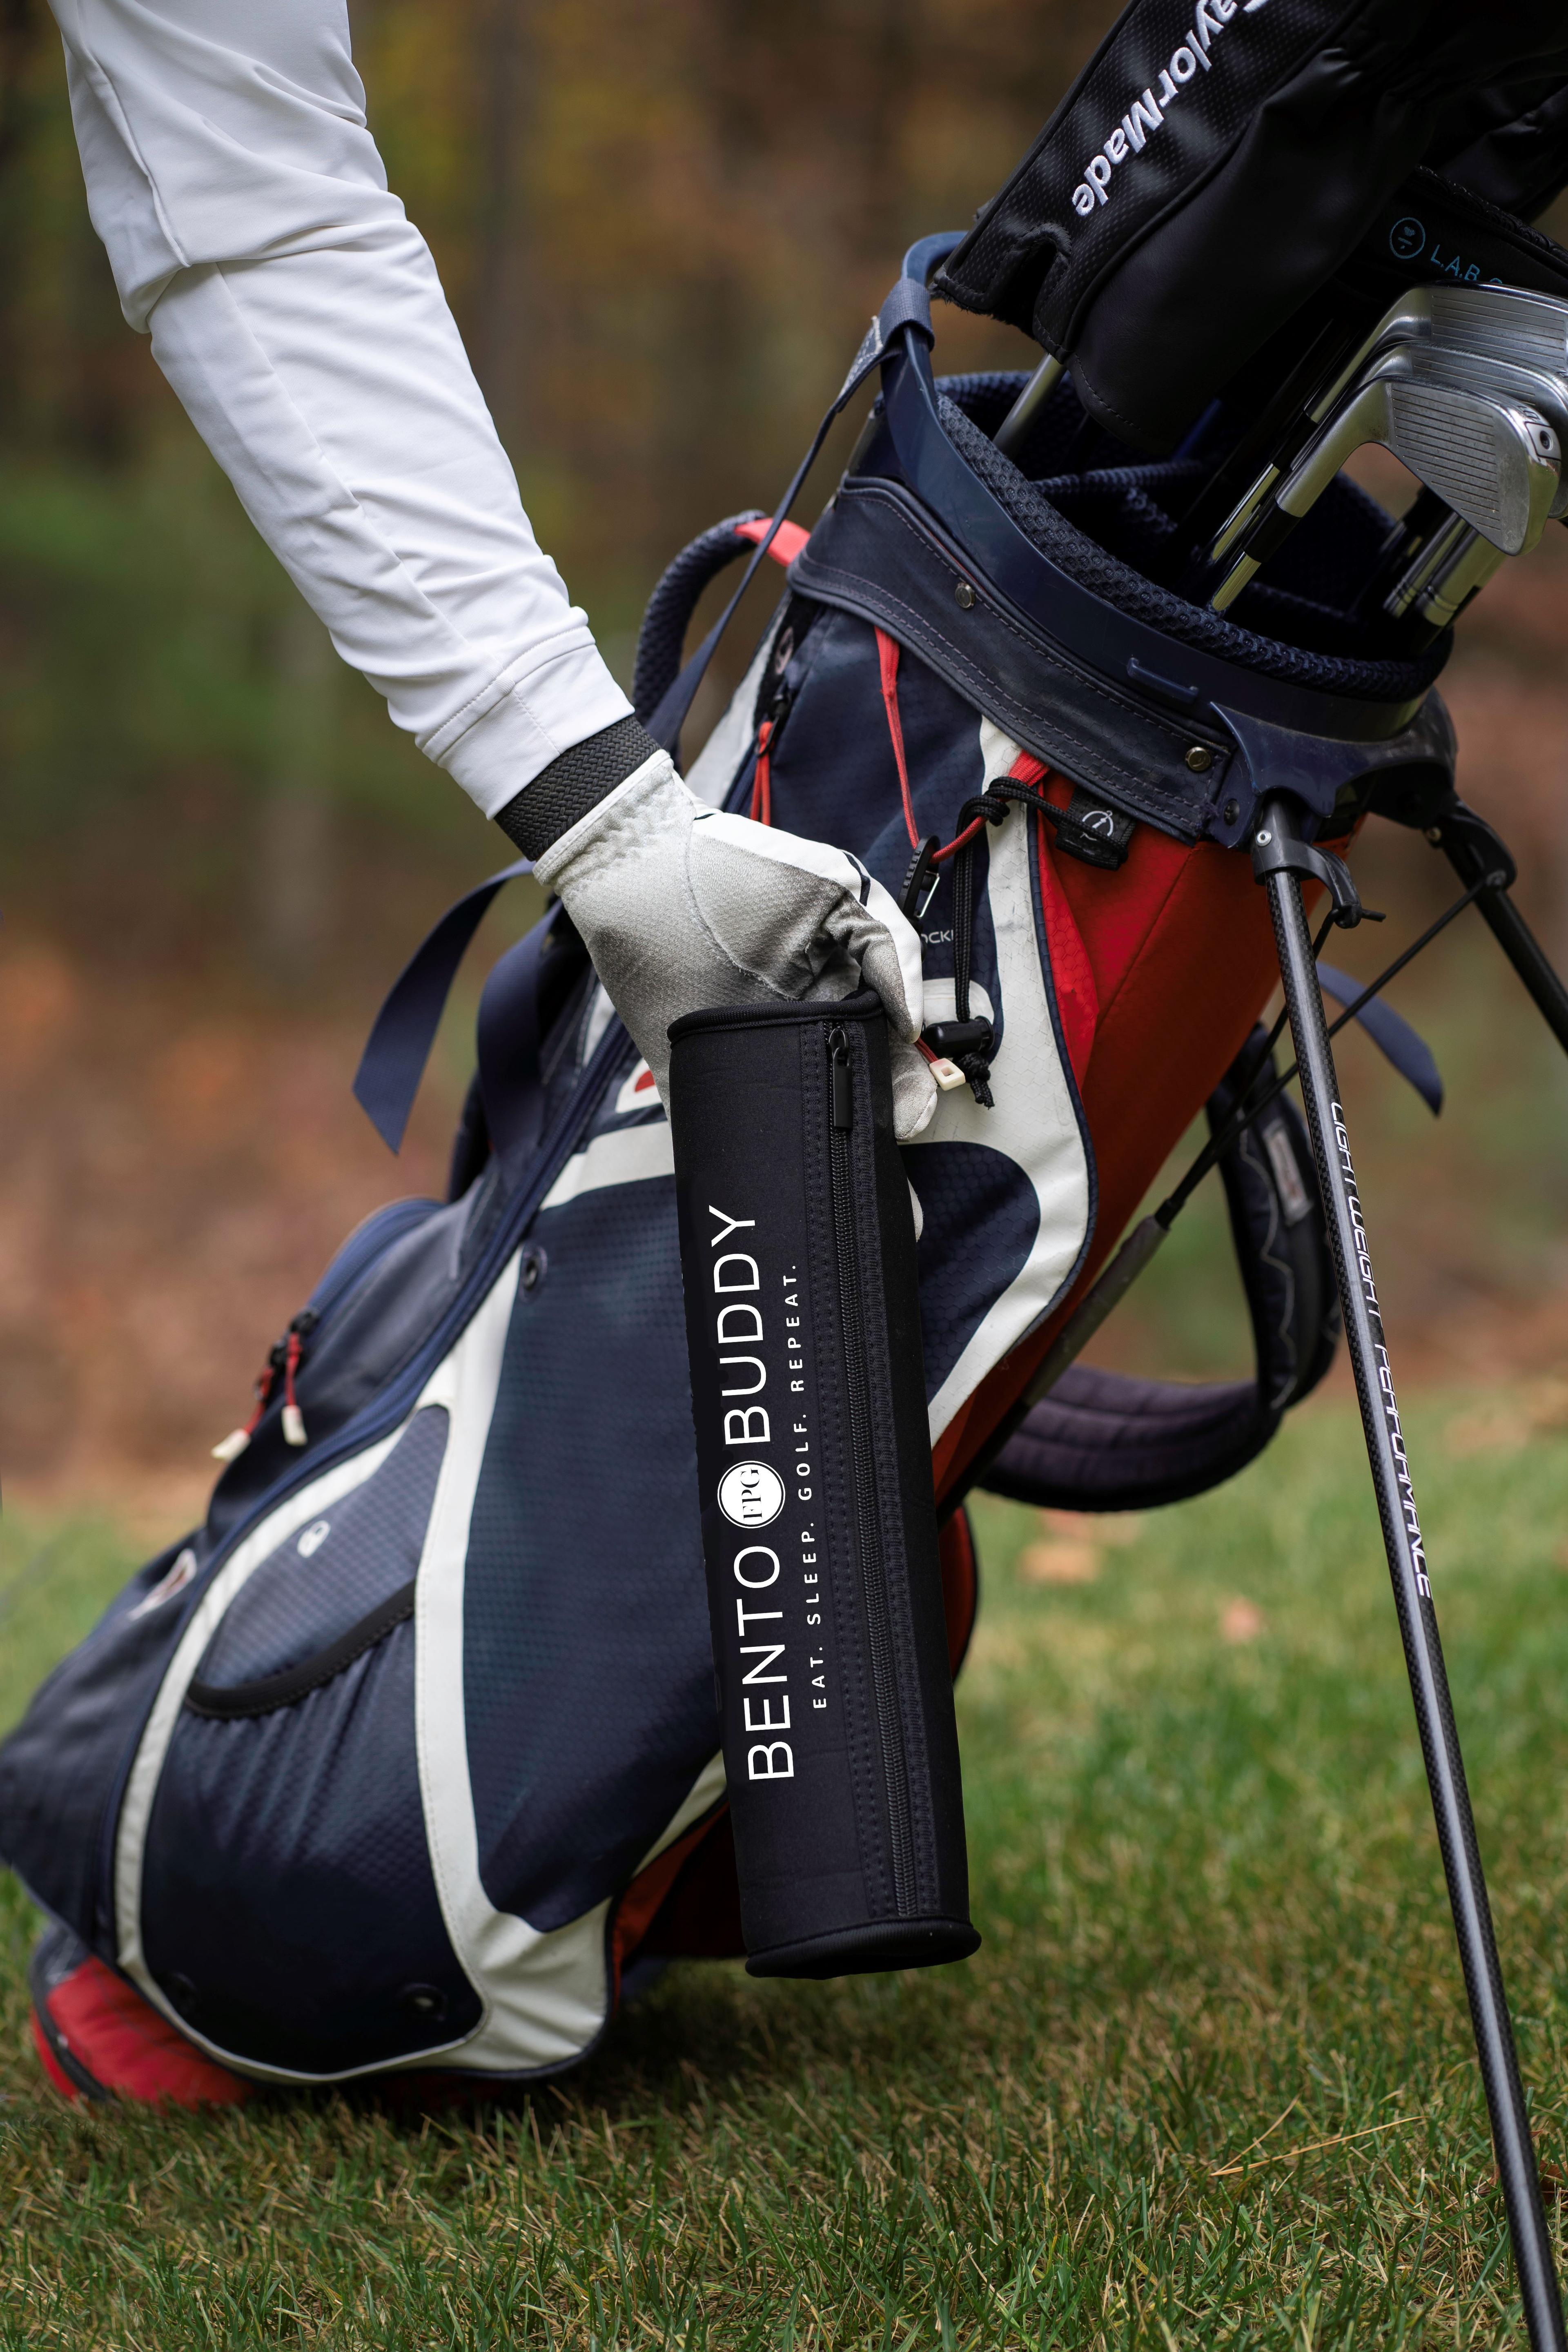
[684,908]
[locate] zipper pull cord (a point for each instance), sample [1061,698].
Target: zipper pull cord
[231,1447]
[284,1356]
[293,1419]
[1022,782]
[972,1058]
[762,809]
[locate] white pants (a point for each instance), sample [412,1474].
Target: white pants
[297,313]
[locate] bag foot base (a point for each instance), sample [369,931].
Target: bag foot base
[98,2040]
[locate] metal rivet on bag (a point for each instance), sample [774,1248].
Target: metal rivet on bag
[965,595]
[1199,758]
[531,1273]
[1230,811]
[425,2001]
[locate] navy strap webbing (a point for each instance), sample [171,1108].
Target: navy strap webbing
[1396,1040]
[398,1048]
[509,1038]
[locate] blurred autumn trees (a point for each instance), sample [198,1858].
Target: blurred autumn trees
[662,225]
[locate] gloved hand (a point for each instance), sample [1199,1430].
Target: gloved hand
[683,908]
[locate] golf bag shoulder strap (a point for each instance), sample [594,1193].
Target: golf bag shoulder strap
[507,1093]
[1104,1441]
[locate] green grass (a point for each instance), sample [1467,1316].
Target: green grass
[1209,2084]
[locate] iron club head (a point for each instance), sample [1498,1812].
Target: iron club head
[1506,324]
[1491,457]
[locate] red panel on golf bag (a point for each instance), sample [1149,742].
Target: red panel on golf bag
[121,2047]
[1181,953]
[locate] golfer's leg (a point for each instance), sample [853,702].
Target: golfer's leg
[298,314]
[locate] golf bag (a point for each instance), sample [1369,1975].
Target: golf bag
[405,1756]
[412,1750]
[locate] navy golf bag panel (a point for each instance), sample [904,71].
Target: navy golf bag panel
[381,1756]
[400,1758]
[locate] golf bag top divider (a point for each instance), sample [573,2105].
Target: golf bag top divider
[399,1759]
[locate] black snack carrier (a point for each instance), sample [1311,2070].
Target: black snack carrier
[819,1530]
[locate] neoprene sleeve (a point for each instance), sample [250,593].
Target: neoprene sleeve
[797,1256]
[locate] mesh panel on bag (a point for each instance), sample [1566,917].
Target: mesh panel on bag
[1345,529]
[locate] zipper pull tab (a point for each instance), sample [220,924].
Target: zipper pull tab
[283,1357]
[230,1448]
[947,1073]
[843,1082]
[919,887]
[293,1419]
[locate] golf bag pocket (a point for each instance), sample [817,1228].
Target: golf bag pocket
[288,1913]
[814,1467]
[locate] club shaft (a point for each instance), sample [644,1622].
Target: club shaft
[1417,1618]
[1013,429]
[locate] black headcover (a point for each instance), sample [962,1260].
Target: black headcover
[1217,162]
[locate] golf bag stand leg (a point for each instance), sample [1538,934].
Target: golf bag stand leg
[1477,854]
[1281,856]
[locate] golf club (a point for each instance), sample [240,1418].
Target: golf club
[1502,323]
[1433,567]
[1015,427]
[1491,457]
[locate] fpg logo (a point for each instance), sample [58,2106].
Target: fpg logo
[751,1494]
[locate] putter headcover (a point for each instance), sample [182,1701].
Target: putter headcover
[1218,161]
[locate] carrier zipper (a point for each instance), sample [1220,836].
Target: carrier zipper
[862,1469]
[363,1249]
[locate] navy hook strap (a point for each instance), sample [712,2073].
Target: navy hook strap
[1396,1040]
[405,1029]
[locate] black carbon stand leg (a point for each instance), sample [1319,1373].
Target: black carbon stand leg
[1477,854]
[1274,839]
[1529,958]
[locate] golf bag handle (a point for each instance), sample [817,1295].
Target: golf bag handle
[674,600]
[1277,840]
[678,592]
